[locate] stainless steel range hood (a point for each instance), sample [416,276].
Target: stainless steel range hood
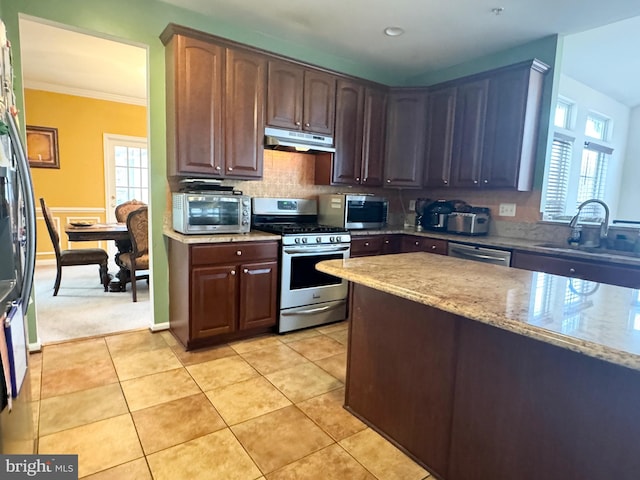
[301,142]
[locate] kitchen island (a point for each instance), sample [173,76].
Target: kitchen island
[486,372]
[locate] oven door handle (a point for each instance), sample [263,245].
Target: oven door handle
[311,311]
[316,249]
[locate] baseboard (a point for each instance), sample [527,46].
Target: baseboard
[158,327]
[35,347]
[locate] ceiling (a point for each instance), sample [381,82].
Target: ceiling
[437,35]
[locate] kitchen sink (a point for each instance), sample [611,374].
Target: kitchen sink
[559,247]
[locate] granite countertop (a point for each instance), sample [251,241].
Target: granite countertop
[252,236]
[598,320]
[509,243]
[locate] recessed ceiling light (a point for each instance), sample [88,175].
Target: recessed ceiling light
[497,10]
[393,31]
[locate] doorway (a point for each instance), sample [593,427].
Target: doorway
[76,68]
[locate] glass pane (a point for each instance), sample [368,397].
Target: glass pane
[122,195]
[144,178]
[144,196]
[134,177]
[121,156]
[596,127]
[143,158]
[134,157]
[562,115]
[135,193]
[121,177]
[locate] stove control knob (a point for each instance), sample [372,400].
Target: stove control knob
[332,239]
[318,239]
[304,239]
[338,239]
[297,240]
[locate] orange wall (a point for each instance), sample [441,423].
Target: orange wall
[81,123]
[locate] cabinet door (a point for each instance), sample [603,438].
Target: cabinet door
[284,95]
[412,243]
[404,157]
[441,108]
[373,137]
[569,267]
[391,244]
[214,296]
[347,160]
[362,246]
[318,110]
[258,294]
[512,119]
[197,108]
[471,106]
[244,105]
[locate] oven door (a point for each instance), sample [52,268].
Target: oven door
[302,284]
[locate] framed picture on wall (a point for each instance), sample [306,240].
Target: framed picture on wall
[42,147]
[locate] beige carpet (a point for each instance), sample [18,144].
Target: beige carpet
[82,308]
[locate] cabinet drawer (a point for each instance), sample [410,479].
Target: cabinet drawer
[362,246]
[233,252]
[423,244]
[568,267]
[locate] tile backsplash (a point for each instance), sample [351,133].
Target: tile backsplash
[292,175]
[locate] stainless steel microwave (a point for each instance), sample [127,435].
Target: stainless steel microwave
[354,212]
[202,213]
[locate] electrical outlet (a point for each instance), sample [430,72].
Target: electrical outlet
[507,210]
[412,205]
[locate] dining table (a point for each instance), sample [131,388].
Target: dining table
[95,232]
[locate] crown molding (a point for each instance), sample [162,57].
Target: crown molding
[80,92]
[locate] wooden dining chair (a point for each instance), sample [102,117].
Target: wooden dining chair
[124,209]
[78,256]
[138,258]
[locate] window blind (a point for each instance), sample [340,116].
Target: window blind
[558,177]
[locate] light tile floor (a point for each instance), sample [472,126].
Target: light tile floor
[137,406]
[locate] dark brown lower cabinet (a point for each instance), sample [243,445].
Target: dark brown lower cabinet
[470,401]
[399,375]
[222,292]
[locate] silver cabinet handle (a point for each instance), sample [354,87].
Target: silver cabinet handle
[230,169]
[476,255]
[366,244]
[476,181]
[388,180]
[445,181]
[306,124]
[386,242]
[433,247]
[239,252]
[417,243]
[572,270]
[358,179]
[233,272]
[486,181]
[298,124]
[246,270]
[218,167]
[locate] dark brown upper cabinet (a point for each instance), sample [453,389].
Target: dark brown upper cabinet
[482,130]
[405,137]
[511,125]
[359,137]
[215,107]
[299,98]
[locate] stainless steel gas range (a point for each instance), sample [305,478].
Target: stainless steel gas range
[307,297]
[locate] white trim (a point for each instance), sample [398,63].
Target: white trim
[35,347]
[72,209]
[81,92]
[159,327]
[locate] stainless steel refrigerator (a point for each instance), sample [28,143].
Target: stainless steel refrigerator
[17,263]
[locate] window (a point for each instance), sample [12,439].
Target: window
[132,172]
[562,117]
[576,174]
[558,177]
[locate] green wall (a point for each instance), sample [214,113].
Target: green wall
[142,21]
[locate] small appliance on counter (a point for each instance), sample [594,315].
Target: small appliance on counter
[436,215]
[472,221]
[353,211]
[205,206]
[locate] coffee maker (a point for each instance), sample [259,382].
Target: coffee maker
[421,204]
[436,214]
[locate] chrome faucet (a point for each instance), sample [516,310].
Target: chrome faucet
[604,226]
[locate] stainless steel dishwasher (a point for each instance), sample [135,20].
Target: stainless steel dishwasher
[480,254]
